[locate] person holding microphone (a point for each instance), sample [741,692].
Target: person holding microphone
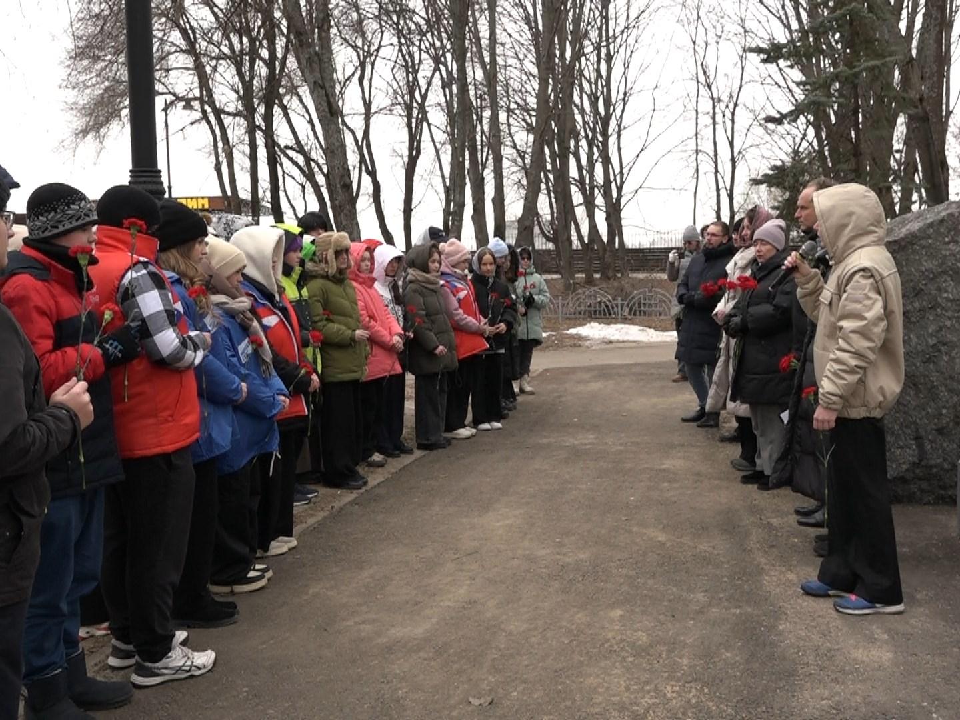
[858,356]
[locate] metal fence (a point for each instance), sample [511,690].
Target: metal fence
[596,304]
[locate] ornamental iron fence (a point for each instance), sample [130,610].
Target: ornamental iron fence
[597,304]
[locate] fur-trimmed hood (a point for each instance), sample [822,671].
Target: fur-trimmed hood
[324,263]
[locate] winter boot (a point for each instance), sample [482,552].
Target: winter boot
[92,694]
[525,387]
[47,699]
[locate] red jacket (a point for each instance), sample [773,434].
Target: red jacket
[376,319]
[44,297]
[468,343]
[156,408]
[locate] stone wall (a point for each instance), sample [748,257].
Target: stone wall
[923,431]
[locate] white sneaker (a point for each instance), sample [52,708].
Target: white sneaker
[290,542]
[123,656]
[179,664]
[525,387]
[461,434]
[254,580]
[276,548]
[263,570]
[485,427]
[473,431]
[496,426]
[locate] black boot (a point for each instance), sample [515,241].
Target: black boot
[208,613]
[710,420]
[694,417]
[93,694]
[47,699]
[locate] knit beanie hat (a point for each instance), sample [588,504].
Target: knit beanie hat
[691,234]
[223,259]
[124,202]
[499,248]
[432,235]
[454,251]
[774,232]
[179,225]
[291,242]
[55,209]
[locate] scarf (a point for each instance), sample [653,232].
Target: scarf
[421,278]
[238,307]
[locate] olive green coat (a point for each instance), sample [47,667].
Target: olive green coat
[334,312]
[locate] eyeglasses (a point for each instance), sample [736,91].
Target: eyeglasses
[7,219]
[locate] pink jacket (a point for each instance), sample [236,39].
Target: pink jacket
[376,319]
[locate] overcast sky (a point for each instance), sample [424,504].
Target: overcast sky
[35,128]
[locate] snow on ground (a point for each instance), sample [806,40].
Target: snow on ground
[600,332]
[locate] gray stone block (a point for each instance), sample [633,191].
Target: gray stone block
[923,431]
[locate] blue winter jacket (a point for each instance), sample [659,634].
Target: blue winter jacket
[256,415]
[218,387]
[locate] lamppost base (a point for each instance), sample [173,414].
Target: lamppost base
[149,180]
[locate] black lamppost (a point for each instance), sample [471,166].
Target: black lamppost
[144,172]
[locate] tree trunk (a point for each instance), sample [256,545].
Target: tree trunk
[315,58]
[541,125]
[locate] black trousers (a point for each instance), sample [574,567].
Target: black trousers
[461,385]
[192,592]
[371,415]
[314,436]
[275,510]
[486,401]
[390,431]
[863,544]
[430,407]
[526,355]
[12,619]
[233,546]
[146,528]
[342,431]
[748,440]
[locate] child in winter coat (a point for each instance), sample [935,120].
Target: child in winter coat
[496,304]
[386,344]
[432,349]
[43,287]
[183,245]
[263,250]
[533,296]
[470,330]
[247,355]
[387,260]
[343,353]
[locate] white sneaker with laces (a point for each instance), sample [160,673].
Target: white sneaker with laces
[461,434]
[179,664]
[485,427]
[123,656]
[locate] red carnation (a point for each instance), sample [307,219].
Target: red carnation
[256,341]
[307,367]
[419,321]
[508,303]
[111,314]
[316,337]
[786,363]
[78,250]
[494,296]
[809,392]
[197,292]
[723,283]
[135,224]
[327,313]
[746,282]
[521,273]
[412,309]
[709,288]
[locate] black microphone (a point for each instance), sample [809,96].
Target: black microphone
[808,251]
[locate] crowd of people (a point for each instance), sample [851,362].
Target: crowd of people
[805,350]
[162,386]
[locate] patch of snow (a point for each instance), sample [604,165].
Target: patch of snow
[600,332]
[548,333]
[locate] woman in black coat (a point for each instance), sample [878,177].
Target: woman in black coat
[698,294]
[762,323]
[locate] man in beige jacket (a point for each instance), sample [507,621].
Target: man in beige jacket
[858,357]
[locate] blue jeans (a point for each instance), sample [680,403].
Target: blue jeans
[71,548]
[700,377]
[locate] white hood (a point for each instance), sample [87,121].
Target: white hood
[263,249]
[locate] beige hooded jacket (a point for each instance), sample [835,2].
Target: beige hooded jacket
[858,349]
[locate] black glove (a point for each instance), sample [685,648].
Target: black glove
[735,325]
[121,346]
[529,301]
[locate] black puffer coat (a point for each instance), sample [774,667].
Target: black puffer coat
[699,339]
[765,338]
